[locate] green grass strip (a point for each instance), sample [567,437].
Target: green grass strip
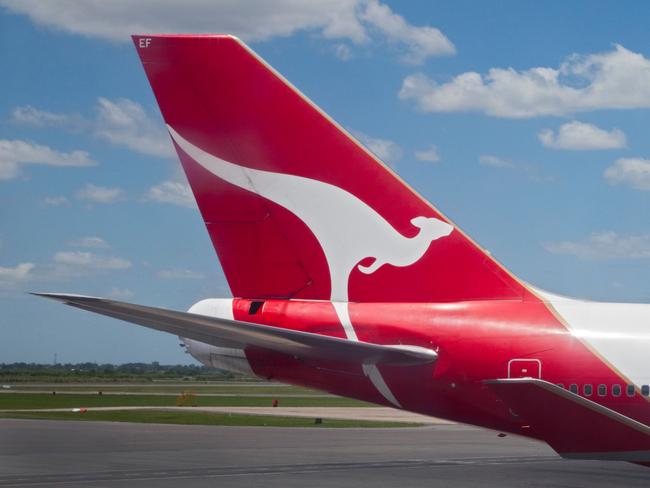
[14,401]
[204,418]
[232,390]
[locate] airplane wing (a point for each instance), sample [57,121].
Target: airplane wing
[216,331]
[576,427]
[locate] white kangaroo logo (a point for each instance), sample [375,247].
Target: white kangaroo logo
[413,248]
[346,228]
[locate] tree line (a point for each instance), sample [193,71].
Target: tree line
[18,372]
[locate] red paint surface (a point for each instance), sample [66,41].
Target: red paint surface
[475,341]
[456,299]
[221,98]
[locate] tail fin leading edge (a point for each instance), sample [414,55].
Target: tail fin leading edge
[296,207]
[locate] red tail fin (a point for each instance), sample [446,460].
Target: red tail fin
[295,206]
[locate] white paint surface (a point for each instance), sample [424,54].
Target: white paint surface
[347,229]
[619,332]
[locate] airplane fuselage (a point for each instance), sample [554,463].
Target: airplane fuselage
[475,341]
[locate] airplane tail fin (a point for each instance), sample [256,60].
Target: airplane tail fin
[294,205]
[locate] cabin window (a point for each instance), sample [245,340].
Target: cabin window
[254,307]
[645,390]
[587,390]
[602,390]
[561,385]
[630,390]
[616,390]
[573,388]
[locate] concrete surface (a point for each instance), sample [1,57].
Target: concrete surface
[74,454]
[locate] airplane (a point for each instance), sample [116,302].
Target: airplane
[347,281]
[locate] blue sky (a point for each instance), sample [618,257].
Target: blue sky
[525,123]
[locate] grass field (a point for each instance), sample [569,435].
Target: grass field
[15,401]
[225,387]
[203,418]
[161,394]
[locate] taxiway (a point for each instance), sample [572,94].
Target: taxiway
[74,454]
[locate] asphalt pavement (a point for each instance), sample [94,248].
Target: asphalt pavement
[74,454]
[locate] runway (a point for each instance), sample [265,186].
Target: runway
[74,454]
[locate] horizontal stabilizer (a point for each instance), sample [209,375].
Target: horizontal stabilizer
[217,331]
[574,426]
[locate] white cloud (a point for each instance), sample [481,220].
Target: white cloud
[531,171]
[8,170]
[605,245]
[89,242]
[385,149]
[29,153]
[252,20]
[56,201]
[429,154]
[120,293]
[634,172]
[579,136]
[14,153]
[63,266]
[179,274]
[343,52]
[10,277]
[171,191]
[496,162]
[617,79]
[419,42]
[125,123]
[100,194]
[90,260]
[121,122]
[358,21]
[30,116]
